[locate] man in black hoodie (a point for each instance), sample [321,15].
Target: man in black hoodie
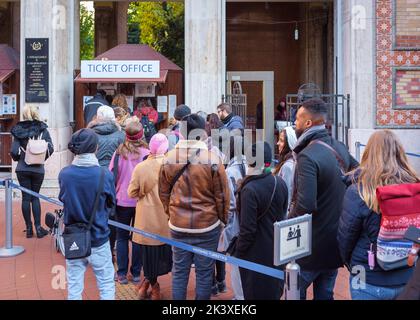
[319,190]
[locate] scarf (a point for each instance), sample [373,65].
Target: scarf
[308,132]
[227,119]
[86,160]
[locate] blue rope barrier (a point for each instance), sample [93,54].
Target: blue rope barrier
[275,273]
[32,193]
[407,153]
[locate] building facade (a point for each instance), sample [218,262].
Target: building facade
[368,49]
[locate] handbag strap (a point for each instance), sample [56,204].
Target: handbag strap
[98,195]
[271,200]
[337,156]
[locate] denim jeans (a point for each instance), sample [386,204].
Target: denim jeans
[204,267]
[371,292]
[101,263]
[126,216]
[323,283]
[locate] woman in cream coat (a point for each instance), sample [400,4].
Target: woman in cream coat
[151,217]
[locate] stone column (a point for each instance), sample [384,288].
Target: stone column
[51,19]
[204,54]
[6,23]
[121,22]
[317,61]
[16,25]
[104,23]
[358,67]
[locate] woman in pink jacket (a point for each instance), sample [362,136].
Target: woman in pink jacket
[128,155]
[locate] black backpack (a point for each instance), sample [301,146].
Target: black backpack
[149,128]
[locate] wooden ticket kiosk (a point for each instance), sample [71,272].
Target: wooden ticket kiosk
[9,101]
[164,91]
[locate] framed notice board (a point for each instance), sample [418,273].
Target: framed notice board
[36,70]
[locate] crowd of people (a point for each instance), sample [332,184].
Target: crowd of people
[200,182]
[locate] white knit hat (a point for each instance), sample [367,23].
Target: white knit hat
[105,113]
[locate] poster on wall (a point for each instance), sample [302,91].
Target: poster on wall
[110,88]
[162,104]
[146,89]
[172,105]
[130,102]
[36,70]
[9,104]
[85,100]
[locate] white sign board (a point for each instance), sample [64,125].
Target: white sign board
[172,105]
[9,104]
[162,104]
[121,69]
[292,239]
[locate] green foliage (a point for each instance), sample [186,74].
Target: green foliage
[161,27]
[87,34]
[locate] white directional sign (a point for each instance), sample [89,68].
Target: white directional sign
[292,239]
[125,69]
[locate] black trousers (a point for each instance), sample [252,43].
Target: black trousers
[32,181]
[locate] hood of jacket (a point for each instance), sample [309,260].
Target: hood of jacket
[104,128]
[26,129]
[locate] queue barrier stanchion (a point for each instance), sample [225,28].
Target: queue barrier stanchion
[9,250]
[291,283]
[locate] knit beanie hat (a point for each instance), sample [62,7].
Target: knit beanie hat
[83,141]
[158,144]
[181,111]
[105,113]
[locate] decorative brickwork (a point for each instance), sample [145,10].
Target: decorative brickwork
[407,88]
[407,24]
[388,62]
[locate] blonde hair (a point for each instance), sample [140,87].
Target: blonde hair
[384,162]
[120,101]
[30,112]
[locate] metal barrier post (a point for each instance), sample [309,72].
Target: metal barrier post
[358,151]
[9,250]
[292,289]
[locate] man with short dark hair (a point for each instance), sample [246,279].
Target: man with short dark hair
[319,190]
[230,121]
[194,191]
[93,105]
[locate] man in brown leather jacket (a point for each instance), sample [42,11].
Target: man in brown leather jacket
[194,190]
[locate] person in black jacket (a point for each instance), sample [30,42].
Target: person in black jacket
[383,163]
[262,200]
[30,176]
[319,190]
[92,106]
